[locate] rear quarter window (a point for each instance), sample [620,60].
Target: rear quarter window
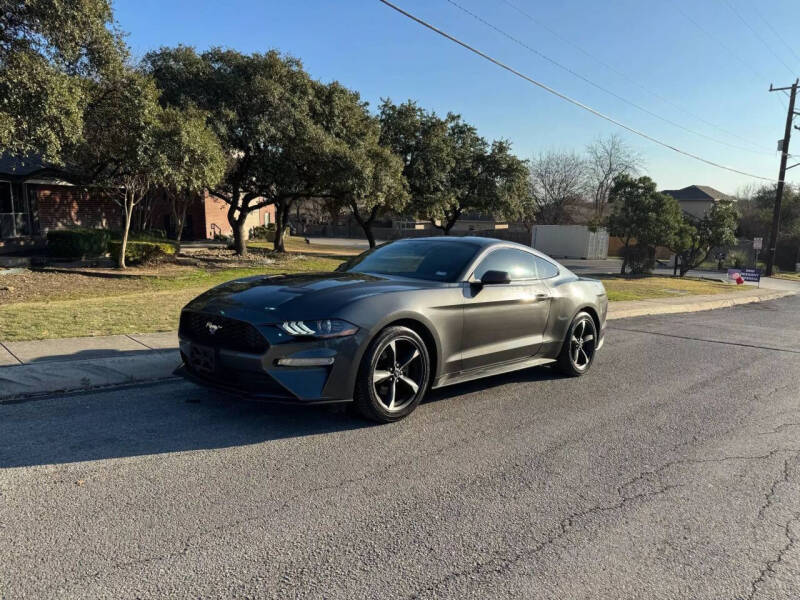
[545,268]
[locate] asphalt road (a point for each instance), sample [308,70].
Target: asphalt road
[672,470]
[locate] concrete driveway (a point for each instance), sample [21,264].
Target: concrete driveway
[670,471]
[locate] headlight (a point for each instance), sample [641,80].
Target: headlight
[324,328]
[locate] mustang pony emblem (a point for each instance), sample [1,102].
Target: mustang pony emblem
[212,328]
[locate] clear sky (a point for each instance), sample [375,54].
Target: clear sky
[698,55]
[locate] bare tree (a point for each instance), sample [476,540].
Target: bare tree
[558,183]
[606,158]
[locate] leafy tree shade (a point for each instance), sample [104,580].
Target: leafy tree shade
[49,51]
[120,151]
[260,106]
[695,238]
[643,218]
[193,160]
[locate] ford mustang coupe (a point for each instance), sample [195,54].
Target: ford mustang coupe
[392,323]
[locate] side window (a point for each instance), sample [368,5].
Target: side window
[518,264]
[546,268]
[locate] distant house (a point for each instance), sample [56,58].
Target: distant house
[696,200]
[36,197]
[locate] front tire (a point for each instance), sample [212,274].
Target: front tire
[393,376]
[580,345]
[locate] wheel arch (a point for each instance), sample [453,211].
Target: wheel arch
[424,331]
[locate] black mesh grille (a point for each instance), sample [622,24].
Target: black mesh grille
[227,333]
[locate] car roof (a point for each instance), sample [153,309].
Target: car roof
[478,241]
[483,242]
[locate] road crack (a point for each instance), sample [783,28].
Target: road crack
[502,562]
[770,566]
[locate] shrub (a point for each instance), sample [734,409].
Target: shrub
[640,259]
[78,243]
[738,259]
[261,232]
[139,252]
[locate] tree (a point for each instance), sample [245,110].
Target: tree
[695,238]
[420,139]
[483,179]
[450,169]
[643,218]
[120,152]
[49,54]
[606,159]
[362,175]
[259,106]
[193,160]
[756,220]
[558,183]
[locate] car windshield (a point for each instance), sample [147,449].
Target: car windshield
[416,259]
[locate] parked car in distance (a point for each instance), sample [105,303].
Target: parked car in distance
[392,323]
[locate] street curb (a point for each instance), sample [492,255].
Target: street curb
[660,307]
[60,377]
[40,379]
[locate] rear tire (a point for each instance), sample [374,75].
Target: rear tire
[580,344]
[393,376]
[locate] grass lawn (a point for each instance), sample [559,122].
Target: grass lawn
[620,288]
[53,303]
[789,276]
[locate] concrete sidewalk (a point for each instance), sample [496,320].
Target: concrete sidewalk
[44,367]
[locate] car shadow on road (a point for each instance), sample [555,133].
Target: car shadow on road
[178,417]
[150,420]
[531,375]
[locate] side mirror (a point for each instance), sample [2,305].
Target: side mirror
[495,277]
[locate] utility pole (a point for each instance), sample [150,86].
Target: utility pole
[776,215]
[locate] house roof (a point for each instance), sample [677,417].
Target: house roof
[17,166]
[697,193]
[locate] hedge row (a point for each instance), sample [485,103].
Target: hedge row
[139,252]
[78,243]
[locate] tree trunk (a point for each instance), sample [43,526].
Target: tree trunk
[239,241]
[282,208]
[237,223]
[366,224]
[126,227]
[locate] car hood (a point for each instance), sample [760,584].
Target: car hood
[274,298]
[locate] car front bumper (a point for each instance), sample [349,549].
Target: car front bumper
[326,371]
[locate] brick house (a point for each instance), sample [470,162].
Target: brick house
[35,197]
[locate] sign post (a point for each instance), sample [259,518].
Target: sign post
[758,244]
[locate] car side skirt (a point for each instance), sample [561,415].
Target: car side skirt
[497,369]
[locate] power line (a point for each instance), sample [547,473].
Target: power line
[628,77]
[596,85]
[775,32]
[564,96]
[752,29]
[725,47]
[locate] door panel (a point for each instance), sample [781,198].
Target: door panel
[503,322]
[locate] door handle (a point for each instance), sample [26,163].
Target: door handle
[541,296]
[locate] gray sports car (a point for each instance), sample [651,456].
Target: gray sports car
[392,323]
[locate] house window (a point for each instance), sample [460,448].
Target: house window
[7,216]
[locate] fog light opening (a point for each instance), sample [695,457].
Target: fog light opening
[304,362]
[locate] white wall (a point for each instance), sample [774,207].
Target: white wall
[570,241]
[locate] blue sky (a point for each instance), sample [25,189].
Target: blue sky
[721,74]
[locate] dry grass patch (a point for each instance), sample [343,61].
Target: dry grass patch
[642,288]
